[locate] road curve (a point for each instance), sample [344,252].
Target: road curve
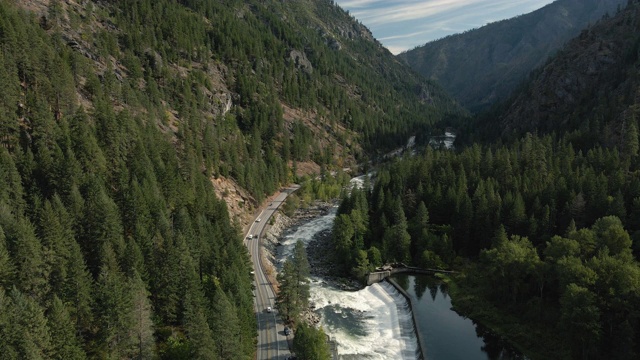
[272,343]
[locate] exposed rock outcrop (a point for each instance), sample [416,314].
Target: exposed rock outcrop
[301,61]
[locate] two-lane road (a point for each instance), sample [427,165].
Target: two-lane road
[272,343]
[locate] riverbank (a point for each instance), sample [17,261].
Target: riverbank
[366,322]
[343,313]
[533,342]
[318,248]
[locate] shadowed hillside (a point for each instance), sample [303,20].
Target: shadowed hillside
[483,66]
[590,90]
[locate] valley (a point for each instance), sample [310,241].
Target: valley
[148,147]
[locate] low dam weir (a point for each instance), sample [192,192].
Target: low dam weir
[383,274]
[388,270]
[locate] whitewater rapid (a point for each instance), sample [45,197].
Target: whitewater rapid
[371,323]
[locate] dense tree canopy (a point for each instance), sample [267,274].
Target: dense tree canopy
[551,231]
[112,240]
[293,278]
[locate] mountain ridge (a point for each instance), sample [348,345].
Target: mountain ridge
[483,65]
[590,88]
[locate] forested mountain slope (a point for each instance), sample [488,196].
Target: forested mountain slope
[590,89]
[483,66]
[541,217]
[117,118]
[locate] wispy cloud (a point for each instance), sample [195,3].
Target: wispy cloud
[404,24]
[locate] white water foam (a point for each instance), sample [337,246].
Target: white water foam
[372,323]
[305,232]
[358,181]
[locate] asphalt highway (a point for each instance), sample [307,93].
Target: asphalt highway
[272,343]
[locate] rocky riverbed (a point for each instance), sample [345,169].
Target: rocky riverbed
[319,250]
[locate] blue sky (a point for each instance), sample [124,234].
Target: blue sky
[404,24]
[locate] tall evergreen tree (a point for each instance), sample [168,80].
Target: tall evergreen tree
[7,331]
[6,266]
[286,300]
[201,338]
[310,343]
[32,339]
[114,307]
[32,271]
[226,327]
[631,139]
[302,272]
[77,290]
[64,343]
[142,323]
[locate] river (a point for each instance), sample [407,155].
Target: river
[445,334]
[444,141]
[376,322]
[371,323]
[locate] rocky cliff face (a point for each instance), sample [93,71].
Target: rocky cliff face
[483,66]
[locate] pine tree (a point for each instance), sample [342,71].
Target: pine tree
[29,327]
[32,271]
[7,270]
[396,239]
[226,327]
[7,331]
[11,190]
[286,297]
[64,343]
[342,237]
[9,95]
[201,339]
[54,241]
[293,294]
[102,226]
[419,222]
[113,306]
[310,343]
[77,290]
[165,280]
[631,140]
[142,324]
[301,275]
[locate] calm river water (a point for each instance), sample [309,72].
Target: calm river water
[445,334]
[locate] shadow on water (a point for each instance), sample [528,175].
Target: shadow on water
[495,346]
[446,334]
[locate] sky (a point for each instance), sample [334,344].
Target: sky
[404,24]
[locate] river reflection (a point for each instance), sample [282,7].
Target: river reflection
[445,334]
